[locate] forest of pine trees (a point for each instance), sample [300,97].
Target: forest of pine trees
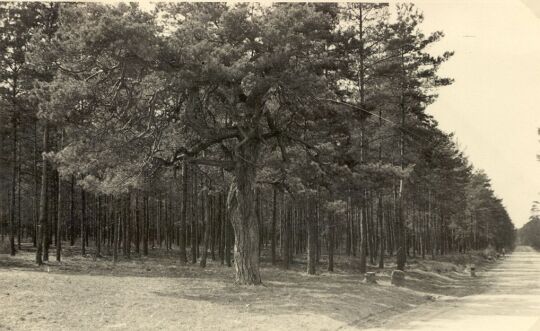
[234,133]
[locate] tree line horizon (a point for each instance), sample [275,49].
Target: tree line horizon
[231,132]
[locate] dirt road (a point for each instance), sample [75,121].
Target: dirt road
[512,303]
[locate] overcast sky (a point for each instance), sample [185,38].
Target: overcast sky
[494,105]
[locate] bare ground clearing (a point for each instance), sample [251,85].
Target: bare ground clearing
[156,292]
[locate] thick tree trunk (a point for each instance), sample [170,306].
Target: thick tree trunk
[42,226]
[241,204]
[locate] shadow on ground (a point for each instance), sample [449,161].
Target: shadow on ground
[341,295]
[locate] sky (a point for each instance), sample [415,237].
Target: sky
[493,107]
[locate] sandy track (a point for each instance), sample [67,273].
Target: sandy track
[512,303]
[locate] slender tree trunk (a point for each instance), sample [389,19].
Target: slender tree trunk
[286,236]
[223,228]
[83,222]
[229,236]
[194,241]
[35,204]
[59,221]
[42,226]
[47,238]
[72,212]
[183,216]
[331,241]
[312,240]
[372,231]
[380,220]
[117,215]
[137,225]
[214,226]
[348,230]
[364,235]
[99,224]
[273,230]
[401,254]
[206,221]
[12,230]
[59,218]
[146,226]
[19,228]
[127,226]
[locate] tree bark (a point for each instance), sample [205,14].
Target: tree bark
[99,224]
[207,225]
[273,230]
[137,225]
[364,237]
[116,233]
[380,220]
[312,241]
[59,221]
[241,204]
[194,241]
[35,204]
[146,226]
[42,226]
[72,212]
[286,236]
[19,228]
[83,222]
[331,241]
[183,216]
[12,230]
[401,254]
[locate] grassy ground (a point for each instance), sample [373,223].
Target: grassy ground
[156,292]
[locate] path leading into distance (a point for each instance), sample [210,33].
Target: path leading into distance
[511,304]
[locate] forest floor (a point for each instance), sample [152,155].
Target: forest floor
[158,293]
